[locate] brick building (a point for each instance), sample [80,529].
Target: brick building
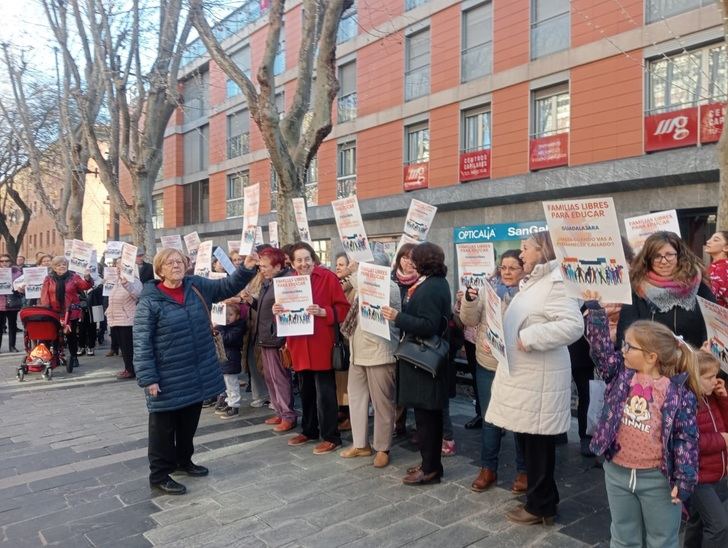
[483,108]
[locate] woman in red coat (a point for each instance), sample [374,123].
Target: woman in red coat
[60,291]
[311,354]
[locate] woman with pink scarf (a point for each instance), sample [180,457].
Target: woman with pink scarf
[666,280]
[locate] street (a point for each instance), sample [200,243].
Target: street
[73,472]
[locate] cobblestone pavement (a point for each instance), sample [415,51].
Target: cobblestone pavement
[73,472]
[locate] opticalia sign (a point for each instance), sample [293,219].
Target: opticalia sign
[416,176]
[474,165]
[712,117]
[497,232]
[678,128]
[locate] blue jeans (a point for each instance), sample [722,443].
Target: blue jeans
[490,435]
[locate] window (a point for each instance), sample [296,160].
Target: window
[412,4]
[476,129]
[417,143]
[477,54]
[551,111]
[323,250]
[346,106]
[662,9]
[549,26]
[348,25]
[310,187]
[279,63]
[281,104]
[235,185]
[195,96]
[158,212]
[238,134]
[417,67]
[196,202]
[196,151]
[242,59]
[684,80]
[346,170]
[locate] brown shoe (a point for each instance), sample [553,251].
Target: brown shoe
[485,479]
[345,425]
[523,517]
[381,459]
[413,469]
[520,484]
[352,452]
[273,420]
[420,478]
[285,426]
[110,353]
[325,447]
[125,375]
[298,439]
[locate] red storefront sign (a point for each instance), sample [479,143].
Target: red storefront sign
[678,128]
[474,165]
[416,176]
[549,151]
[712,117]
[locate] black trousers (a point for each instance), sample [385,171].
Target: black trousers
[114,341]
[539,451]
[87,330]
[12,321]
[582,376]
[472,366]
[429,439]
[72,338]
[319,405]
[170,440]
[124,336]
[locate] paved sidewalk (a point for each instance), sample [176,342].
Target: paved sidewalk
[73,472]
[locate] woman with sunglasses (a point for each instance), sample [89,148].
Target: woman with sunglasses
[666,279]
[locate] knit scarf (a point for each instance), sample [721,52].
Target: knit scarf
[60,281]
[348,326]
[406,279]
[667,293]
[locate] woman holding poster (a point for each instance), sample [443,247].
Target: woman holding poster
[666,278]
[9,305]
[311,354]
[531,396]
[717,248]
[120,317]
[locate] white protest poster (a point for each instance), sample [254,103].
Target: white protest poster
[218,313]
[203,265]
[494,320]
[93,264]
[173,241]
[351,229]
[588,247]
[111,278]
[374,287]
[233,245]
[299,211]
[67,245]
[273,234]
[192,242]
[128,262]
[6,281]
[217,275]
[97,313]
[81,255]
[259,236]
[225,261]
[34,277]
[716,323]
[294,294]
[419,220]
[639,228]
[112,252]
[251,206]
[476,263]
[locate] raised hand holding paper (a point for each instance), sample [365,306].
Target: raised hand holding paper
[81,255]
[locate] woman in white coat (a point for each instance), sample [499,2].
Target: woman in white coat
[532,396]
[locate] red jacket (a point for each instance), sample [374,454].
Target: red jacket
[74,285]
[313,352]
[718,272]
[712,420]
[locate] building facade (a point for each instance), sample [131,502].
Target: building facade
[481,107]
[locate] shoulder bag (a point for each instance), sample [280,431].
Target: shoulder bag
[340,354]
[430,354]
[216,337]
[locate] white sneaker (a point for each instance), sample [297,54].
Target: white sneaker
[90,352]
[259,403]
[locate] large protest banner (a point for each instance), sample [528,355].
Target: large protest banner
[294,294]
[374,288]
[639,228]
[352,235]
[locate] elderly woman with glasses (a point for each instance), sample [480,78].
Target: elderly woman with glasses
[666,280]
[175,360]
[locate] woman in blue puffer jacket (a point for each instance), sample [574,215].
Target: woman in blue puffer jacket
[175,360]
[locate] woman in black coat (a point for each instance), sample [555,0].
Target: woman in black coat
[425,313]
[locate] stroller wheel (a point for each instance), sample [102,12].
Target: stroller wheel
[48,373]
[21,374]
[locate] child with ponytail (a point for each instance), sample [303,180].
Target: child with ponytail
[647,431]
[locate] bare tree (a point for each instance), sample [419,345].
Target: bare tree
[118,45]
[722,148]
[292,141]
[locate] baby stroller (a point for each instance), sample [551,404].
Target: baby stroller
[42,326]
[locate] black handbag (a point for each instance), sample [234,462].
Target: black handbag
[14,301]
[430,354]
[340,353]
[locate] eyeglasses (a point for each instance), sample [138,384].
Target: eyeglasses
[666,258]
[5,261]
[173,262]
[509,268]
[626,347]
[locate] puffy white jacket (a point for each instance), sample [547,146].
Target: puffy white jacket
[123,303]
[533,394]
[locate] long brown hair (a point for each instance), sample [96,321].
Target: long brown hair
[688,264]
[674,356]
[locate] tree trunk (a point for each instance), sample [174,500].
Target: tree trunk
[141,212]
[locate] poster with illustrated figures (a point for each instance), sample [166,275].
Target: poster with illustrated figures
[192,242]
[34,277]
[273,234]
[128,262]
[299,211]
[203,265]
[374,287]
[172,241]
[111,278]
[6,281]
[639,228]
[251,207]
[218,313]
[112,252]
[81,256]
[716,323]
[294,294]
[476,263]
[588,246]
[259,236]
[352,235]
[495,334]
[419,220]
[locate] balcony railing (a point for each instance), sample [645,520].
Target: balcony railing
[345,186]
[234,208]
[477,61]
[238,145]
[346,107]
[550,36]
[417,83]
[311,191]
